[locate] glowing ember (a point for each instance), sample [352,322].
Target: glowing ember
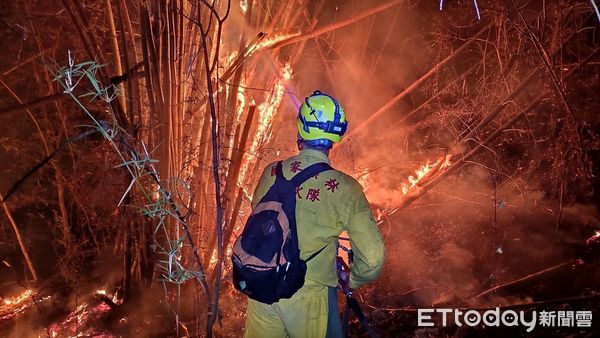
[114,298]
[18,299]
[594,239]
[80,322]
[14,306]
[363,178]
[382,213]
[379,215]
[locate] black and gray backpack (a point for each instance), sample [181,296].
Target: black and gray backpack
[266,258]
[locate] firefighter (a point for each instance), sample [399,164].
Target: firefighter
[326,205]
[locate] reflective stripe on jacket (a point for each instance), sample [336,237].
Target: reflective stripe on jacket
[326,205]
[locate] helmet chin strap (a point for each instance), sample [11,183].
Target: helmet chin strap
[319,143]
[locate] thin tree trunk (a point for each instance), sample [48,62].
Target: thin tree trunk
[24,251]
[64,212]
[214,306]
[116,53]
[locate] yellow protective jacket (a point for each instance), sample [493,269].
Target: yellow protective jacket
[326,205]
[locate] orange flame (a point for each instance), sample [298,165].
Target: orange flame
[241,98]
[19,299]
[423,172]
[266,114]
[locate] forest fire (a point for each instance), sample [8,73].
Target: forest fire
[267,111]
[14,306]
[424,172]
[133,135]
[594,239]
[413,185]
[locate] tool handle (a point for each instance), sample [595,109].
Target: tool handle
[343,272]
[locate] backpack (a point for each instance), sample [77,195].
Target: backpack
[266,257]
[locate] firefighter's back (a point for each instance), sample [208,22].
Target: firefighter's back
[324,206]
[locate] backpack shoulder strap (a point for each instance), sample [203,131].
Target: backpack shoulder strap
[279,170]
[316,253]
[309,172]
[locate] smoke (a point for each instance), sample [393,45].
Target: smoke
[455,241]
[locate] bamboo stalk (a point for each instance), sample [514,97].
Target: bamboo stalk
[170,83]
[202,176]
[233,180]
[214,305]
[130,105]
[92,47]
[24,251]
[64,212]
[233,217]
[115,46]
[180,83]
[232,101]
[135,83]
[128,229]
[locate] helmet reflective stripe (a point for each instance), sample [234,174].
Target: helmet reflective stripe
[321,117]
